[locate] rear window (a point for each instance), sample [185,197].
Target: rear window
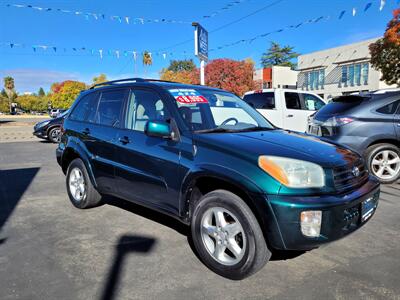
[389,109]
[261,100]
[335,108]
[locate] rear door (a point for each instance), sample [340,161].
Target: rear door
[147,167]
[266,104]
[298,107]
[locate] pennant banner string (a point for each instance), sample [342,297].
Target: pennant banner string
[294,26]
[101,16]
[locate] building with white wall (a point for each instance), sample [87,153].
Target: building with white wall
[339,71]
[276,77]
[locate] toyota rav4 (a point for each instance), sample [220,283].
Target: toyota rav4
[205,157]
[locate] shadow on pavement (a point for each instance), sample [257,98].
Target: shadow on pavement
[13,184]
[127,244]
[5,121]
[149,214]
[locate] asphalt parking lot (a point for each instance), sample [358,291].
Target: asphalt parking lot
[51,250]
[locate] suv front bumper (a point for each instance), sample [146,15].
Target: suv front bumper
[341,215]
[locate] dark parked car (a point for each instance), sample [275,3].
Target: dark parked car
[50,129]
[368,124]
[205,157]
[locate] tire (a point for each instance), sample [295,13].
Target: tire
[253,254]
[378,159]
[80,190]
[54,134]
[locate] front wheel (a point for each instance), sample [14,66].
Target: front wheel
[55,135]
[227,236]
[384,162]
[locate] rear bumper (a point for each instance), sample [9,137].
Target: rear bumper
[341,215]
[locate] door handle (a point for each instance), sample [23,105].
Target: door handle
[86,131]
[124,140]
[289,116]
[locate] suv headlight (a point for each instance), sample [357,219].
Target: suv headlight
[293,173]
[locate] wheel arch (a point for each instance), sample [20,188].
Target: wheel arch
[72,152]
[202,183]
[391,141]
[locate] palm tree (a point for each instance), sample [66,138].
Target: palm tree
[147,61]
[9,87]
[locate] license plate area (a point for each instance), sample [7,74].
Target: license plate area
[367,208]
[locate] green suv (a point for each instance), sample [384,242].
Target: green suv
[208,159]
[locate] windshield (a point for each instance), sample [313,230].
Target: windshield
[216,111]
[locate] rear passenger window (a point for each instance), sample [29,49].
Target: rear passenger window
[110,107]
[85,106]
[144,105]
[261,100]
[292,101]
[389,109]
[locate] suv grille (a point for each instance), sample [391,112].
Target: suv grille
[351,175]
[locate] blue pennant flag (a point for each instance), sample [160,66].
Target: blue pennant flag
[342,14]
[368,6]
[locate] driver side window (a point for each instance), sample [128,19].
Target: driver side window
[144,105]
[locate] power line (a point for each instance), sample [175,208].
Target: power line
[226,25]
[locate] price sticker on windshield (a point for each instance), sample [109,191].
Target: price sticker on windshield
[188,96]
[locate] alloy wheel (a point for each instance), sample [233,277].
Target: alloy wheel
[77,185]
[386,164]
[223,236]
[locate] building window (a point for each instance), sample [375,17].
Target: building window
[356,74]
[344,76]
[314,80]
[364,73]
[350,81]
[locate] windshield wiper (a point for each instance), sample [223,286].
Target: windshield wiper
[255,129]
[215,130]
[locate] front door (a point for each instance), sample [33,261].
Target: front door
[147,168]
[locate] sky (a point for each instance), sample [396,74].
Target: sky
[27,27]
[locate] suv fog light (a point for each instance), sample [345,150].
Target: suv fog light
[311,223]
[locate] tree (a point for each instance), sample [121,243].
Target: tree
[385,52]
[231,75]
[41,92]
[65,93]
[9,88]
[188,77]
[147,60]
[3,93]
[4,104]
[278,56]
[32,102]
[181,65]
[100,79]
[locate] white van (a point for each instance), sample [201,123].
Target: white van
[285,108]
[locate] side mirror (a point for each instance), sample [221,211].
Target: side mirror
[160,129]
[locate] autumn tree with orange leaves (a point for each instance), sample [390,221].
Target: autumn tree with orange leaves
[385,52]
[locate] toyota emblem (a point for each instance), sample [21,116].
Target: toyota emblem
[355,171]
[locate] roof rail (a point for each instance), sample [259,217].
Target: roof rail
[128,79]
[116,81]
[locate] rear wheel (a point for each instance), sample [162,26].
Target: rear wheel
[384,162]
[227,236]
[81,192]
[54,135]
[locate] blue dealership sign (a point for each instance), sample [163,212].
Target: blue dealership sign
[200,42]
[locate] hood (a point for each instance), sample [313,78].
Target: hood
[279,143]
